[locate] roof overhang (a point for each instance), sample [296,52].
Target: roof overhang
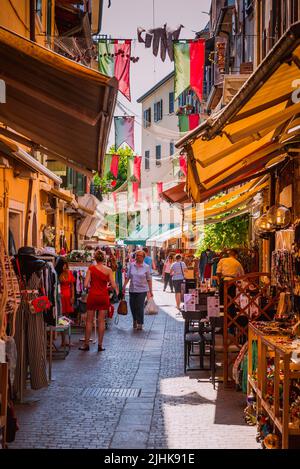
[63,106]
[176,195]
[11,149]
[253,129]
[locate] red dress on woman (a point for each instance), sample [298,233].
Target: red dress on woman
[66,294]
[98,298]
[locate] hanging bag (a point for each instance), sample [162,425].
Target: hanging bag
[123,308]
[151,307]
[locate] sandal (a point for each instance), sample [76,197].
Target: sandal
[100,348]
[84,348]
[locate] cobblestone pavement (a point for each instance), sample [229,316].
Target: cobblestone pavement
[172,410]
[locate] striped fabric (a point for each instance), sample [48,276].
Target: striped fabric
[31,329]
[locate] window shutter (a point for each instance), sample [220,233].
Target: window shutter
[171,102]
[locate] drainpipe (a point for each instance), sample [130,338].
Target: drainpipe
[32,20]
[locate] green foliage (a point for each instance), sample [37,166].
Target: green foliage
[105,182]
[227,234]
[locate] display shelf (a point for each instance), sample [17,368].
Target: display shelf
[277,347]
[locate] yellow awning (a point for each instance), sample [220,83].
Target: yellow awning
[219,206]
[61,105]
[251,130]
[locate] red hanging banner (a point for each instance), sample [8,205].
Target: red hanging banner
[183,164]
[159,186]
[197,61]
[114,167]
[137,168]
[135,189]
[122,67]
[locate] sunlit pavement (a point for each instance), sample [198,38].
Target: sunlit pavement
[134,395]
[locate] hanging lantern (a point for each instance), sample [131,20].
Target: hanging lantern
[262,226]
[279,217]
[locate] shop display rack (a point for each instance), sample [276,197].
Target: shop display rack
[276,378]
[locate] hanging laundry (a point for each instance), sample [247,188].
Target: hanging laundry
[114,167]
[188,122]
[114,60]
[124,131]
[162,37]
[183,164]
[189,66]
[137,168]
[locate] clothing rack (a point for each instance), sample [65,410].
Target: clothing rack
[30,401]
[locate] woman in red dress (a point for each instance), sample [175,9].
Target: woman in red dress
[67,280]
[98,276]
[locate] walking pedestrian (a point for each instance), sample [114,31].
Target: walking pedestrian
[166,273]
[178,269]
[67,290]
[98,276]
[140,285]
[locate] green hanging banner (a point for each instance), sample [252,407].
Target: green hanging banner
[107,164]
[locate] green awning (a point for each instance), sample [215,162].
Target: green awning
[140,236]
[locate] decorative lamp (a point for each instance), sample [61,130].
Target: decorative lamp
[262,226]
[279,217]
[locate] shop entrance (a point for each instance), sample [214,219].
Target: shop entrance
[15,229]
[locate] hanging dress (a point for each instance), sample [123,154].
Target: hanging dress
[66,293]
[98,297]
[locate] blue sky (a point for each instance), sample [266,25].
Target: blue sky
[121,21]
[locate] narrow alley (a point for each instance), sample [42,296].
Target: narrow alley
[134,395]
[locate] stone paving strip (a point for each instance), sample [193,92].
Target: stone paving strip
[87,403]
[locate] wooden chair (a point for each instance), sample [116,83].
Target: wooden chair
[193,335]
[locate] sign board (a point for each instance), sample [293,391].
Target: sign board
[189,302]
[213,306]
